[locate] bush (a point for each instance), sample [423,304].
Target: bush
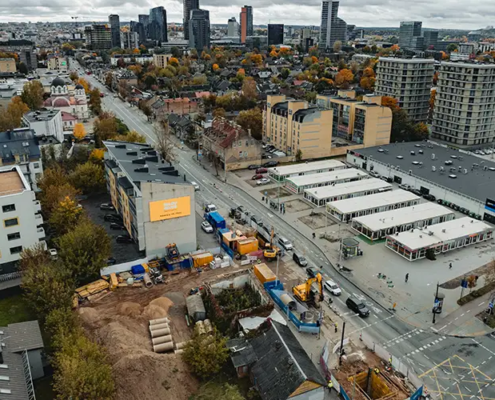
[476,293]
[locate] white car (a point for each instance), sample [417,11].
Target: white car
[285,243]
[205,225]
[332,287]
[195,185]
[263,181]
[53,254]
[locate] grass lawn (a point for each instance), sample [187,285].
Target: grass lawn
[14,309]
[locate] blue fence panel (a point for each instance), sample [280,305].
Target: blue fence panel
[343,393]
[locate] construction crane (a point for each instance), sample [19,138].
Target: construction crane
[304,292]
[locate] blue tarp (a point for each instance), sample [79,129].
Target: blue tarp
[216,219]
[137,269]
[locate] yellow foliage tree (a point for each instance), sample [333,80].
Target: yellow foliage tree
[79,131]
[314,59]
[136,51]
[131,137]
[174,62]
[257,59]
[97,155]
[84,83]
[65,215]
[241,71]
[344,77]
[215,67]
[390,102]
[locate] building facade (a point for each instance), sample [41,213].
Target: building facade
[57,63]
[157,28]
[114,22]
[145,20]
[407,32]
[431,39]
[161,60]
[129,40]
[232,27]
[98,37]
[73,102]
[464,111]
[332,28]
[409,81]
[7,66]
[275,34]
[199,29]
[246,19]
[45,123]
[189,5]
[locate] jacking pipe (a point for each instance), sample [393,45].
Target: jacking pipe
[179,351]
[160,332]
[161,339]
[159,321]
[162,348]
[164,329]
[288,301]
[147,280]
[159,326]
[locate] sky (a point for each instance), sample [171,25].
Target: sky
[437,14]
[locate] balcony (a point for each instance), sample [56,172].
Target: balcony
[39,219]
[37,206]
[40,232]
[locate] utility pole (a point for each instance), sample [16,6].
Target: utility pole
[342,344]
[434,307]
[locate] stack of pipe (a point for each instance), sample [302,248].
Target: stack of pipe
[161,337]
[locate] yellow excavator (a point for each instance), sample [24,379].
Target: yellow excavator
[304,292]
[270,253]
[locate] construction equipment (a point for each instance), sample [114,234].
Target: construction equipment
[155,275]
[270,253]
[172,251]
[306,294]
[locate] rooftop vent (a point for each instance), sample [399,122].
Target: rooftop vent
[400,157]
[448,162]
[415,162]
[420,151]
[433,168]
[452,176]
[433,157]
[380,150]
[454,157]
[413,153]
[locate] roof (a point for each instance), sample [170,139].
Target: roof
[346,188]
[309,167]
[25,336]
[283,364]
[58,82]
[10,182]
[439,233]
[195,304]
[40,115]
[402,216]
[242,352]
[477,183]
[348,206]
[327,177]
[20,141]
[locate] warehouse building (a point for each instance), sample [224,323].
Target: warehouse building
[317,167]
[322,195]
[153,198]
[346,210]
[455,177]
[441,238]
[379,226]
[298,184]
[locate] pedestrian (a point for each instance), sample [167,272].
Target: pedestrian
[450,265]
[335,326]
[407,277]
[314,235]
[330,386]
[263,198]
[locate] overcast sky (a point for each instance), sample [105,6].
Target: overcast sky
[434,14]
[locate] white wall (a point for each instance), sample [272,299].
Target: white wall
[52,127]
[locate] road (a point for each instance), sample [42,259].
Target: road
[426,352]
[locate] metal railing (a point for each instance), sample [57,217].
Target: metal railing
[28,376]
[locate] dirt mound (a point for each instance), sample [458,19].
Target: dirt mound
[89,316]
[124,339]
[152,311]
[162,302]
[129,309]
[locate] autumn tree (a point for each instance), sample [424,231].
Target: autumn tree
[249,88]
[95,101]
[88,178]
[173,61]
[97,155]
[390,102]
[215,67]
[73,76]
[11,117]
[131,137]
[252,120]
[85,84]
[79,131]
[65,215]
[343,78]
[368,80]
[163,141]
[108,79]
[337,46]
[104,129]
[32,94]
[219,112]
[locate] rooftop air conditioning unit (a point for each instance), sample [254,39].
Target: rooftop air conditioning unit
[465,171]
[452,176]
[433,168]
[433,156]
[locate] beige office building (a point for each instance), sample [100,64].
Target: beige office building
[464,111]
[407,80]
[7,65]
[161,60]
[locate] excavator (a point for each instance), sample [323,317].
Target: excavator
[304,292]
[270,253]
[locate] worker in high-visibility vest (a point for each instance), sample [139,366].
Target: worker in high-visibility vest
[330,386]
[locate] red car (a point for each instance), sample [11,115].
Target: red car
[261,171]
[256,177]
[102,94]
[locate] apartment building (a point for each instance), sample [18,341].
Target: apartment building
[154,199]
[57,63]
[21,225]
[98,37]
[45,123]
[7,66]
[464,111]
[161,60]
[407,80]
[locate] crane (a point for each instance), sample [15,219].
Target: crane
[304,293]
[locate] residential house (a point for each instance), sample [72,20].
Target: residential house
[181,125]
[68,121]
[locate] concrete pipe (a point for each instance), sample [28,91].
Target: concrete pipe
[180,345]
[164,329]
[161,339]
[208,327]
[179,351]
[160,332]
[147,280]
[200,327]
[163,347]
[288,301]
[159,326]
[159,321]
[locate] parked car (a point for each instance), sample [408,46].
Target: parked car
[357,306]
[285,243]
[299,259]
[270,147]
[116,226]
[263,181]
[111,261]
[205,225]
[257,220]
[332,287]
[256,177]
[107,207]
[374,174]
[195,185]
[405,186]
[261,171]
[429,197]
[112,218]
[254,166]
[124,239]
[416,192]
[312,272]
[386,179]
[270,164]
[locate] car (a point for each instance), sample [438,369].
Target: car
[357,306]
[416,192]
[273,150]
[111,261]
[285,243]
[124,239]
[107,207]
[53,254]
[254,166]
[256,177]
[270,147]
[299,259]
[115,95]
[112,218]
[332,287]
[429,197]
[261,171]
[102,94]
[205,225]
[116,226]
[195,185]
[405,186]
[210,208]
[312,272]
[374,174]
[263,181]
[270,164]
[257,220]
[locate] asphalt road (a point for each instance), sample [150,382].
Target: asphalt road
[426,352]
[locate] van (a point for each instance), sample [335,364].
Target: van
[358,307]
[332,287]
[299,259]
[285,243]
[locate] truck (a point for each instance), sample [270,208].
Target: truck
[215,220]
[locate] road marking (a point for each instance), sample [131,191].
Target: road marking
[479,305]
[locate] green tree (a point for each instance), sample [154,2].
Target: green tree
[95,101]
[88,178]
[284,74]
[131,137]
[213,391]
[32,94]
[175,52]
[23,69]
[252,120]
[206,354]
[84,250]
[299,155]
[452,47]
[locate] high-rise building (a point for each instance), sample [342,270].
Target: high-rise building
[130,40]
[332,28]
[138,28]
[246,18]
[275,34]
[114,22]
[189,5]
[233,28]
[306,33]
[145,20]
[408,30]
[431,39]
[158,25]
[409,81]
[464,111]
[199,29]
[98,37]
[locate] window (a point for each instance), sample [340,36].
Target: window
[14,236]
[36,165]
[10,222]
[8,208]
[16,250]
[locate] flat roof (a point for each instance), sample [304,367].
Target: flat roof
[306,167]
[348,206]
[439,233]
[324,177]
[10,182]
[348,188]
[477,183]
[402,216]
[41,115]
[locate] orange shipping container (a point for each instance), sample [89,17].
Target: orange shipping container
[263,273]
[247,246]
[202,259]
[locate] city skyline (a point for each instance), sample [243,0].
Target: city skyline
[378,13]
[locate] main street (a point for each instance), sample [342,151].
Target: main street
[449,366]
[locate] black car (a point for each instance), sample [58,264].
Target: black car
[429,197]
[299,259]
[357,306]
[416,192]
[312,272]
[254,166]
[270,164]
[107,207]
[124,239]
[257,220]
[112,218]
[116,226]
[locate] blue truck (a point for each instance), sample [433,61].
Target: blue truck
[215,220]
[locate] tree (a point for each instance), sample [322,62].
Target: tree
[452,47]
[175,52]
[206,354]
[337,46]
[65,215]
[131,137]
[395,48]
[73,76]
[213,391]
[23,69]
[344,78]
[199,80]
[32,95]
[52,195]
[390,102]
[108,79]
[88,178]
[215,67]
[163,142]
[249,88]
[252,120]
[284,74]
[11,117]
[368,80]
[95,101]
[173,62]
[104,129]
[219,112]
[299,155]
[97,155]
[84,250]
[79,131]
[84,83]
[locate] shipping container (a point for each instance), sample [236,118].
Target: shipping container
[247,246]
[263,273]
[199,260]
